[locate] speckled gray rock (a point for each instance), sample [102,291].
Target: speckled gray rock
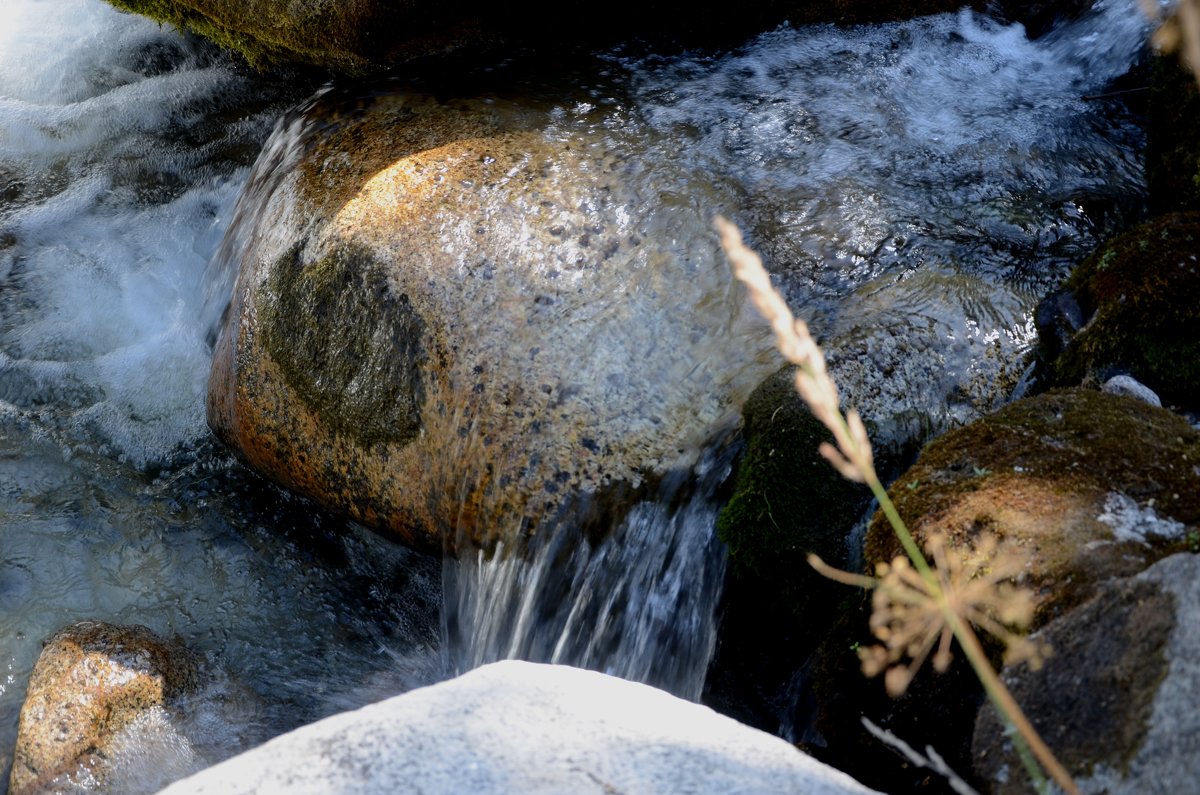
[529,728]
[1117,701]
[462,314]
[91,681]
[1127,385]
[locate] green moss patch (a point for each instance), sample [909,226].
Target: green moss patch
[1138,296]
[788,501]
[340,35]
[350,347]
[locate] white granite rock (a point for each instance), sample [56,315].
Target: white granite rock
[517,727]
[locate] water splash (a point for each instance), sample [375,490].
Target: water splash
[639,602]
[122,149]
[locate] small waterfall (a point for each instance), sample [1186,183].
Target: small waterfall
[638,603]
[278,157]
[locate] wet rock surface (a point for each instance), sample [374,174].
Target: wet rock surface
[1114,699]
[455,313]
[92,681]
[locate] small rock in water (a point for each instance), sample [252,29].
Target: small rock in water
[91,681]
[1127,385]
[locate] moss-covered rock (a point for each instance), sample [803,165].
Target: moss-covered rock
[91,680]
[466,314]
[787,502]
[1172,145]
[349,36]
[360,36]
[1134,308]
[1094,486]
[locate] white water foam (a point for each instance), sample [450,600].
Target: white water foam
[111,206]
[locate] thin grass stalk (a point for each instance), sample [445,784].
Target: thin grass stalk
[853,459]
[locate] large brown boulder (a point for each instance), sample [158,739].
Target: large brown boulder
[1094,486]
[468,314]
[91,681]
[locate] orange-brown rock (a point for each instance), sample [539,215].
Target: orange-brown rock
[91,680]
[467,314]
[1095,486]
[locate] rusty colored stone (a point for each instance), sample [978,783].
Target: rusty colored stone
[90,681]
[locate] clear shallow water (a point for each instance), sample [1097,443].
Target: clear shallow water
[122,149]
[916,185]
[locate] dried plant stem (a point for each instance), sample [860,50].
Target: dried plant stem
[1009,708]
[969,642]
[852,457]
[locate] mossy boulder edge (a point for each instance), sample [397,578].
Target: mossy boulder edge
[1134,301]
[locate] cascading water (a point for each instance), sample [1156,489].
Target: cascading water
[918,184]
[923,181]
[639,603]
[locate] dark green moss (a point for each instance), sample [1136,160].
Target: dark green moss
[1137,295]
[341,36]
[257,53]
[346,343]
[1172,142]
[788,501]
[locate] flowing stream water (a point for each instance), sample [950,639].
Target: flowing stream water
[920,184]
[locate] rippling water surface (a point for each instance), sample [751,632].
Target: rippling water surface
[915,186]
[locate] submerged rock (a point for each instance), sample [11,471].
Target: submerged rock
[1136,306]
[469,313]
[91,682]
[523,727]
[1095,486]
[1116,701]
